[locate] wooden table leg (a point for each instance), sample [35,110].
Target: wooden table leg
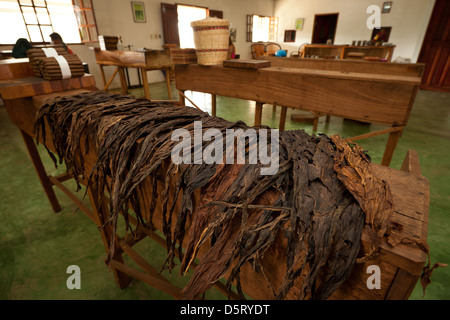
[282,118]
[102,72]
[213,105]
[110,79]
[390,147]
[145,83]
[169,91]
[100,208]
[43,177]
[181,97]
[258,113]
[315,124]
[123,81]
[411,163]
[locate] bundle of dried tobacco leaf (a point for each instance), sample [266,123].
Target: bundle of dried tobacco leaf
[319,200]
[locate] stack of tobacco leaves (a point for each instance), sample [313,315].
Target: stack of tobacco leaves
[51,69]
[321,198]
[36,54]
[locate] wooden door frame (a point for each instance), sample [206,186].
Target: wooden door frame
[325,14]
[426,43]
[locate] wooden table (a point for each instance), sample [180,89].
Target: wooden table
[345,66]
[144,61]
[17,89]
[401,266]
[15,68]
[370,97]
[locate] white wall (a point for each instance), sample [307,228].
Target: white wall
[114,17]
[408,19]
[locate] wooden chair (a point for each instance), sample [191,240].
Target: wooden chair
[257,50]
[271,48]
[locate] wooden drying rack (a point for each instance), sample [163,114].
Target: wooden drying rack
[401,265]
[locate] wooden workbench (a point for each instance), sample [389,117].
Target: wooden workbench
[370,97]
[145,60]
[401,266]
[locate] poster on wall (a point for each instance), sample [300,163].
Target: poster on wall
[138,11]
[299,23]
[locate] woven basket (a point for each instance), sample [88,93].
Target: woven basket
[211,37]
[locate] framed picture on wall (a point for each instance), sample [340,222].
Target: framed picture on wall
[299,23]
[381,34]
[138,11]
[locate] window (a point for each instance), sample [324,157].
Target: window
[261,28]
[187,14]
[289,35]
[176,22]
[86,20]
[35,20]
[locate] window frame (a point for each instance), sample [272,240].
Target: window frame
[83,9]
[38,24]
[88,27]
[273,28]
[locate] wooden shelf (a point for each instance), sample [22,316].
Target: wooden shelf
[343,51]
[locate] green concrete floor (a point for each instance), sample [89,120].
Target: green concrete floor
[37,245]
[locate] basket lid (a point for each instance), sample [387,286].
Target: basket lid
[210,21]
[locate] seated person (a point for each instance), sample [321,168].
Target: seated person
[57,39]
[20,48]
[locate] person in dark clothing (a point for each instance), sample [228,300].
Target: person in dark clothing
[57,39]
[20,48]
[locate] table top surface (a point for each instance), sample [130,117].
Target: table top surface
[215,71]
[32,86]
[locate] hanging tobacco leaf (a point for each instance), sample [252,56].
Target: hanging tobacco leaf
[319,200]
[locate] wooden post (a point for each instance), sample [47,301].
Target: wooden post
[390,147]
[100,209]
[110,79]
[181,97]
[169,91]
[102,72]
[145,83]
[315,124]
[411,163]
[282,118]
[123,82]
[258,113]
[213,105]
[43,177]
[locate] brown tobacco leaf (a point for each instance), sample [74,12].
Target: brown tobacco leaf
[425,277]
[373,194]
[319,200]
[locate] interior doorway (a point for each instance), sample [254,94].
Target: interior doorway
[324,28]
[435,52]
